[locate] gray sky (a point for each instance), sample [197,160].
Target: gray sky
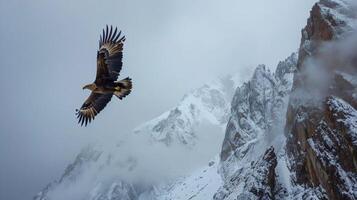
[48,52]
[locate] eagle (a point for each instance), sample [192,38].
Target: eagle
[109,64]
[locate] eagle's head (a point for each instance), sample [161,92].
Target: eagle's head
[91,87]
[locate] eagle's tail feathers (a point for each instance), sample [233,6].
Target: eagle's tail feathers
[123,88]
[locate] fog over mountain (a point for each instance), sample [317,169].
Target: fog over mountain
[48,52]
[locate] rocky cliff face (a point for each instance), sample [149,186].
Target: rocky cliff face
[257,182]
[248,160]
[317,160]
[257,104]
[320,119]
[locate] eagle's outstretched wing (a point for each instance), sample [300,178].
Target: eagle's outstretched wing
[92,106]
[109,56]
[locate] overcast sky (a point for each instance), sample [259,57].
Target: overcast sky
[48,52]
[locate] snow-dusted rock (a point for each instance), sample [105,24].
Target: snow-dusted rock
[320,132]
[255,182]
[256,112]
[256,123]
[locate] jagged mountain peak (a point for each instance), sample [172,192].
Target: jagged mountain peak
[254,124]
[286,67]
[179,125]
[318,141]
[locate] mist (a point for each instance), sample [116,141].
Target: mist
[143,163]
[335,61]
[48,52]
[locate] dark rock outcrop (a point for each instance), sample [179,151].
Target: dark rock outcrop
[318,158]
[320,118]
[256,183]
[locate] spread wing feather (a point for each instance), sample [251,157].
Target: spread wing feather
[109,64]
[91,107]
[109,57]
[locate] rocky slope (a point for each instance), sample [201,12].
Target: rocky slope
[317,160]
[320,119]
[248,160]
[257,182]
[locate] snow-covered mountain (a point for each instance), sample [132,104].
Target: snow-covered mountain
[252,144]
[102,172]
[289,134]
[210,103]
[99,173]
[272,91]
[300,145]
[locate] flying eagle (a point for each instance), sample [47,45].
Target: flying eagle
[109,64]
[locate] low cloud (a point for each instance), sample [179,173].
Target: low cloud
[140,162]
[318,73]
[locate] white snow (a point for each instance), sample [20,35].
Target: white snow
[349,114]
[209,103]
[200,185]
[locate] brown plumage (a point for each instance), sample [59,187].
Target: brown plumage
[109,64]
